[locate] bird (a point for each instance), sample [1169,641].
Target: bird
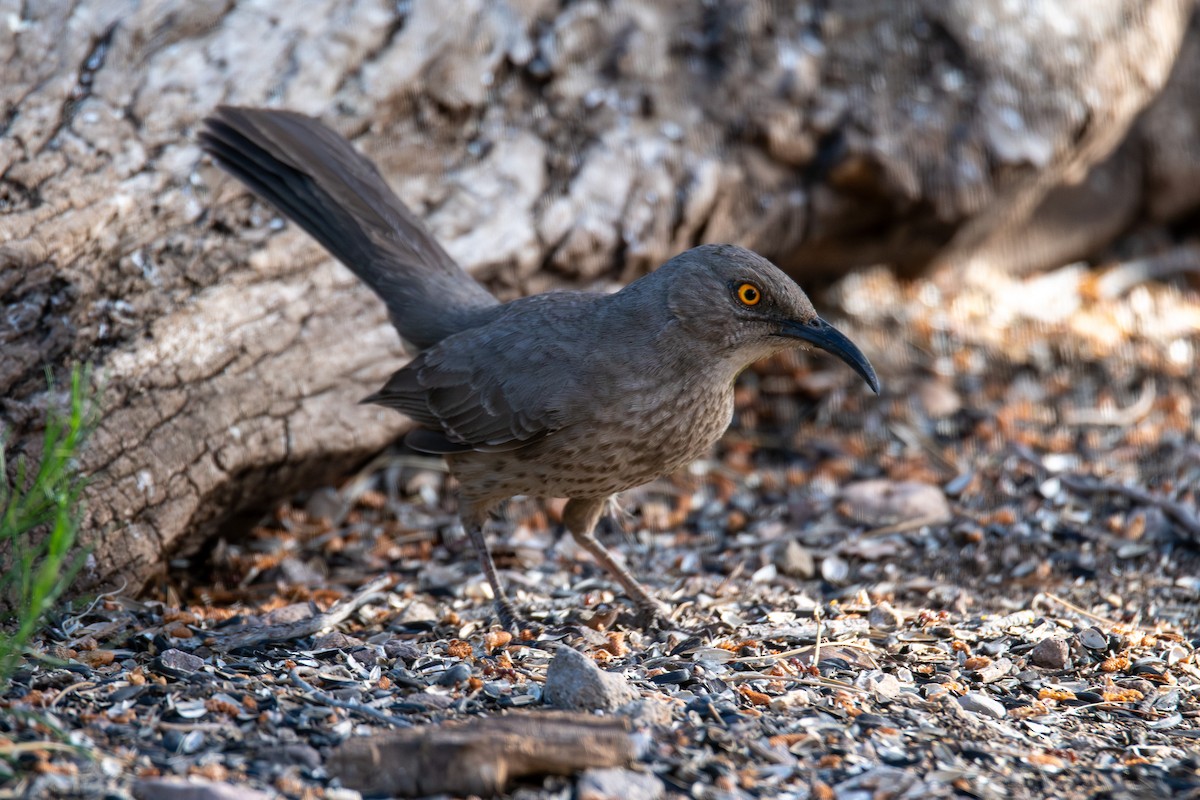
[568,394]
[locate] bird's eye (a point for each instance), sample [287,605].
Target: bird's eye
[749,294]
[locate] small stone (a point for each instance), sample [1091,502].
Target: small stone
[326,503]
[291,754]
[835,570]
[402,650]
[995,670]
[882,684]
[177,662]
[882,502]
[883,617]
[1093,639]
[613,783]
[286,615]
[794,560]
[455,675]
[336,640]
[573,681]
[1050,653]
[980,703]
[646,712]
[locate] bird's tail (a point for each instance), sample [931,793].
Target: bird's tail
[320,182]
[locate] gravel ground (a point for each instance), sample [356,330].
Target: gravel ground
[981,584]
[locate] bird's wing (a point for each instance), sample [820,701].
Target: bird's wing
[497,387]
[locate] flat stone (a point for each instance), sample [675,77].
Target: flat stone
[336,640]
[883,617]
[882,502]
[881,684]
[794,560]
[980,703]
[574,681]
[178,662]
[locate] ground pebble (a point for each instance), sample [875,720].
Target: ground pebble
[618,784]
[179,662]
[1093,639]
[883,617]
[794,560]
[883,502]
[405,651]
[880,683]
[980,703]
[1050,653]
[573,681]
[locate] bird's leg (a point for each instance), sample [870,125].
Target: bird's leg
[473,518]
[580,517]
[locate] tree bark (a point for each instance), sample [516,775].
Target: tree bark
[545,143]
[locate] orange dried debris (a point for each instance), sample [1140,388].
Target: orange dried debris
[474,684]
[98,658]
[458,648]
[187,617]
[822,790]
[756,698]
[786,739]
[1114,664]
[495,639]
[1035,709]
[976,662]
[221,707]
[180,632]
[1046,760]
[959,646]
[1056,694]
[615,643]
[1119,695]
[372,499]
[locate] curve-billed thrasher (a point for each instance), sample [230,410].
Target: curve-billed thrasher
[567,394]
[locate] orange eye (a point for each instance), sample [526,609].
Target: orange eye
[749,294]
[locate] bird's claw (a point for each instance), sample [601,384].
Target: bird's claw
[515,624]
[652,616]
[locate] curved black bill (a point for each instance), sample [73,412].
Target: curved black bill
[828,338]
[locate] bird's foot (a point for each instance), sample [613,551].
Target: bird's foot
[514,623]
[651,615]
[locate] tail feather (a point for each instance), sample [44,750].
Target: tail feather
[319,181]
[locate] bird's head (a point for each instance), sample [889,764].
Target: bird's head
[740,304]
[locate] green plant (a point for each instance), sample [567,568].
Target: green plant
[39,523]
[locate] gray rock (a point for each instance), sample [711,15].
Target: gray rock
[883,617]
[613,783]
[1050,653]
[402,650]
[1093,639]
[335,640]
[882,684]
[573,681]
[178,662]
[882,502]
[980,703]
[794,560]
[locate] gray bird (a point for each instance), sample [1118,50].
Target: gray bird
[567,394]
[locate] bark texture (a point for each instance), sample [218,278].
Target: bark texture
[544,142]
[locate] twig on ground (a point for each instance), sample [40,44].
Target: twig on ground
[304,627]
[352,706]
